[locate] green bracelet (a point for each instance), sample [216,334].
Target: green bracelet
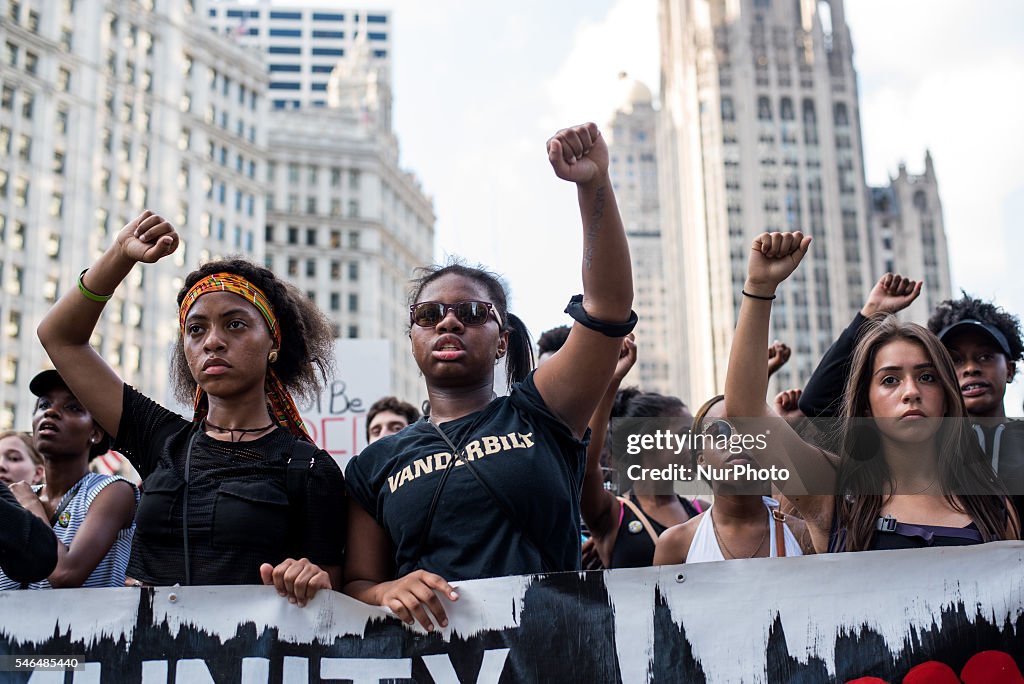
[89,294]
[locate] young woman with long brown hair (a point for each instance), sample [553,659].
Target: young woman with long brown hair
[909,472]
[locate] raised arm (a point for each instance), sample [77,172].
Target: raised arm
[824,390]
[598,506]
[773,257]
[574,379]
[67,327]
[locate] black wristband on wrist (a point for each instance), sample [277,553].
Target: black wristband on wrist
[754,296]
[578,314]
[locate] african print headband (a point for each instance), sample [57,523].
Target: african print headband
[279,399]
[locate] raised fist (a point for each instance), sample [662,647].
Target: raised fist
[147,238]
[579,153]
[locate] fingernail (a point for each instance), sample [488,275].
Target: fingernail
[430,627]
[291,600]
[444,623]
[454,595]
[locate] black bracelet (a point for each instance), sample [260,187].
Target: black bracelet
[578,314]
[753,296]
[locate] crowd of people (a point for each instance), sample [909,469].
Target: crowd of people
[481,485]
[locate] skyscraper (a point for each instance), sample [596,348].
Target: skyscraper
[301,45]
[107,109]
[634,172]
[760,131]
[909,236]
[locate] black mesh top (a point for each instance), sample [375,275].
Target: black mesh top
[238,506]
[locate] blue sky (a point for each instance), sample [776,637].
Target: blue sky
[479,86]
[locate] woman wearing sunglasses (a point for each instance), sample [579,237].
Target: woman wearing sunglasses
[739,524]
[239,492]
[624,529]
[488,486]
[903,477]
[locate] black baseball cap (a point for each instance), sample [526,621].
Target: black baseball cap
[46,380]
[972,324]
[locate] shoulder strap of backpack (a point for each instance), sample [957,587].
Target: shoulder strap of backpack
[301,458]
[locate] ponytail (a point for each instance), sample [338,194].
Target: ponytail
[519,359]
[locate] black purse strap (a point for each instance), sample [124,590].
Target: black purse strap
[457,455]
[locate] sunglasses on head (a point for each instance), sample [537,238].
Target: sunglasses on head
[719,428]
[429,314]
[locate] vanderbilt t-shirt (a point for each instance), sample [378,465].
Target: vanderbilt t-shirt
[522,451]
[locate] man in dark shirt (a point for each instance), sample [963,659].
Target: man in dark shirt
[28,548]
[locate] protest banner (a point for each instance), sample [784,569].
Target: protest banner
[946,614]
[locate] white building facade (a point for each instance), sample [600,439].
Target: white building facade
[344,222]
[634,173]
[760,131]
[108,108]
[301,44]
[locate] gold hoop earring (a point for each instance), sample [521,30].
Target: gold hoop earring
[272,356]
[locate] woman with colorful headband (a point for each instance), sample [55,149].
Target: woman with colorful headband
[238,493]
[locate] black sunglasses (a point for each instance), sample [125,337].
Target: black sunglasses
[429,314]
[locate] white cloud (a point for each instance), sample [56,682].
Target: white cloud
[586,87]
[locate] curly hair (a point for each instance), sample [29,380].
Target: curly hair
[552,340]
[519,359]
[955,310]
[306,356]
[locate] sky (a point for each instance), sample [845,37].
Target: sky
[480,86]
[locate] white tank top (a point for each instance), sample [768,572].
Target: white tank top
[704,548]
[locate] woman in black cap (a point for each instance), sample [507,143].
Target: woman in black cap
[92,515]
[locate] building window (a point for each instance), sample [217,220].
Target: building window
[842,117]
[335,301]
[353,208]
[353,331]
[311,205]
[353,271]
[353,302]
[310,267]
[311,237]
[764,109]
[293,235]
[293,267]
[335,239]
[31,62]
[353,239]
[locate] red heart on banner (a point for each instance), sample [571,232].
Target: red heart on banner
[991,667]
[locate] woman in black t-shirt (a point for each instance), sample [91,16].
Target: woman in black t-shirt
[507,502]
[238,493]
